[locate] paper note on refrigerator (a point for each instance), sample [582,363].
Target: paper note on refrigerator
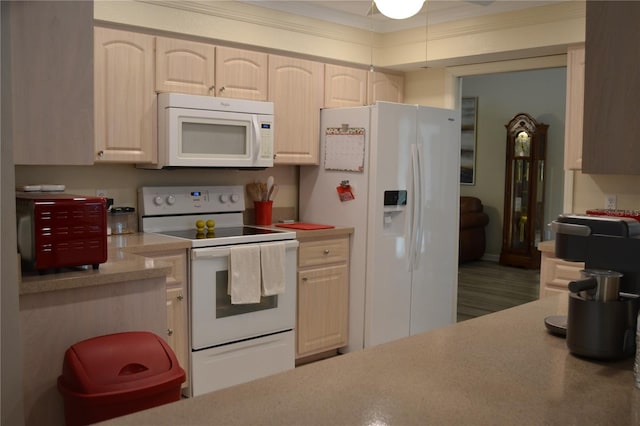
[344,149]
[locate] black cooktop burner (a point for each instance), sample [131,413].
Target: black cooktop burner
[232,231]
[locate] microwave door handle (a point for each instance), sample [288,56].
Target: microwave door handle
[256,134]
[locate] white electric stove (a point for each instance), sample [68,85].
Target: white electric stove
[230,343]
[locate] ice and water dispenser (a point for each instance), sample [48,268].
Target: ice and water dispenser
[395,204]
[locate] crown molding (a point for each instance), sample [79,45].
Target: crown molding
[242,12]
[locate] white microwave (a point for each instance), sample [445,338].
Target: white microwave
[204,131]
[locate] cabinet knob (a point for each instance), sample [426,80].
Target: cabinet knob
[169,331]
[180,296]
[222,89]
[100,154]
[305,279]
[212,88]
[326,251]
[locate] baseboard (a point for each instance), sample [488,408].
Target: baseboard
[490,257]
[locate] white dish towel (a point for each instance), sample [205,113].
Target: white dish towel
[244,274]
[272,263]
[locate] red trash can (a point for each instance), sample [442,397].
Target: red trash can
[117,374]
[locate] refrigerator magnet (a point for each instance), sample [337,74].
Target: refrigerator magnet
[344,191]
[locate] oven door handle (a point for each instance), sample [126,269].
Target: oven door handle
[208,253]
[214,252]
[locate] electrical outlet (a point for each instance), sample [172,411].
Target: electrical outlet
[101,193]
[610,201]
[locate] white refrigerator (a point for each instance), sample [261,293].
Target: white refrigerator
[405,212]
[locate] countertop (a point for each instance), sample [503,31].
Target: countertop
[122,265]
[547,247]
[318,233]
[124,262]
[499,369]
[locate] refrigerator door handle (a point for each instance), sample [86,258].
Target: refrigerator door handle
[419,226]
[417,207]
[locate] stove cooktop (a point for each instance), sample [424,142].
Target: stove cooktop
[230,235]
[232,231]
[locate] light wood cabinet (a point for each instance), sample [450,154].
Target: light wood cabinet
[555,274]
[177,330]
[323,295]
[575,108]
[296,88]
[125,99]
[344,86]
[241,74]
[185,66]
[204,69]
[51,82]
[612,83]
[384,87]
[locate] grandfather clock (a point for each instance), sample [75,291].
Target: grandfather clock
[524,192]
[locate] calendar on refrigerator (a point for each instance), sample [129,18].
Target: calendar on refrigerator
[344,149]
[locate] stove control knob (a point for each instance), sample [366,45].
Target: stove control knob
[224,198]
[235,198]
[171,200]
[157,200]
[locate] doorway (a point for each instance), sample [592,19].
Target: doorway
[484,285]
[500,96]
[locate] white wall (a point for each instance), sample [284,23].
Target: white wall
[121,181]
[589,191]
[541,94]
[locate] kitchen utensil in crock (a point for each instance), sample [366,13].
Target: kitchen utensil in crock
[270,182]
[274,191]
[254,191]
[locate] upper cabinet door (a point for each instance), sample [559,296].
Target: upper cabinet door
[344,86]
[185,66]
[575,108]
[51,87]
[296,88]
[611,87]
[241,74]
[125,100]
[385,87]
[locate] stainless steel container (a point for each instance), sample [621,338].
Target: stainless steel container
[597,284]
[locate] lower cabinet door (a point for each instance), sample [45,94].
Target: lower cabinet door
[177,331]
[323,300]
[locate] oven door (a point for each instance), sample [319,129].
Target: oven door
[215,321]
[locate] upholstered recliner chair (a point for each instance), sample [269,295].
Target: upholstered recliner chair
[472,238]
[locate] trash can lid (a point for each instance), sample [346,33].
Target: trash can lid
[116,362]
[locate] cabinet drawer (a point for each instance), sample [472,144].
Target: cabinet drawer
[562,272]
[323,252]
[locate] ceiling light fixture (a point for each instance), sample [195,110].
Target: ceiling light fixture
[399,9]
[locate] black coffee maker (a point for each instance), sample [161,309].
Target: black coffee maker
[603,305]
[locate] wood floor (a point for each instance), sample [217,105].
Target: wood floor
[485,287]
